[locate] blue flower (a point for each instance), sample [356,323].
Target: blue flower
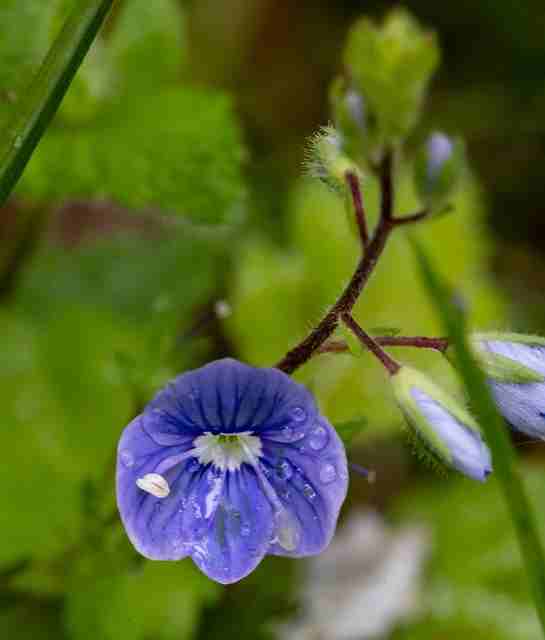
[229,463]
[515,366]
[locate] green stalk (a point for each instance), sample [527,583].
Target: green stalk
[504,459]
[39,104]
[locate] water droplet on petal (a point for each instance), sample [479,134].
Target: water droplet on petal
[286,530]
[318,438]
[284,470]
[290,434]
[197,513]
[127,459]
[298,414]
[245,530]
[309,492]
[328,473]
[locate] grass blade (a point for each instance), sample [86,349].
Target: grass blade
[496,433]
[40,102]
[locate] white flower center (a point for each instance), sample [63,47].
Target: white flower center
[227,450]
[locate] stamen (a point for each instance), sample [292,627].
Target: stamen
[154,484]
[362,471]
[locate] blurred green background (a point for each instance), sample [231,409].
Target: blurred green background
[170,181]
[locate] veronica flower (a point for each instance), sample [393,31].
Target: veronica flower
[229,463]
[515,366]
[444,427]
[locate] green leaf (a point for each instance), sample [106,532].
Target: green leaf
[26,26]
[189,162]
[42,514]
[148,45]
[161,600]
[503,455]
[41,100]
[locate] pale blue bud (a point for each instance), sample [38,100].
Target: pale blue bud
[515,365]
[446,429]
[438,169]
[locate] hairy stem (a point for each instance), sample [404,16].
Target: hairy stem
[359,211]
[345,303]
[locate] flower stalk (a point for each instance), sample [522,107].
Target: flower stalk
[310,345]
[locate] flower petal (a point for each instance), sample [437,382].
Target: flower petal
[240,532]
[229,396]
[151,522]
[310,477]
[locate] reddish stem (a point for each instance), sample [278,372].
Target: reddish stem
[389,363]
[359,211]
[418,342]
[345,303]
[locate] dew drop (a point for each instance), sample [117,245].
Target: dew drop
[328,473]
[286,530]
[126,458]
[318,438]
[197,513]
[284,470]
[298,414]
[289,434]
[309,492]
[18,142]
[245,530]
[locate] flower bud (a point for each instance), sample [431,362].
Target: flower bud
[391,65]
[444,427]
[325,159]
[438,169]
[515,366]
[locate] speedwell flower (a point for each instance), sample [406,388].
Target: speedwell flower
[515,366]
[229,463]
[445,428]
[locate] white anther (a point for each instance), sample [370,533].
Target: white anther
[155,484]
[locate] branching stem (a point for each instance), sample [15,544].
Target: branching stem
[371,253]
[418,342]
[389,363]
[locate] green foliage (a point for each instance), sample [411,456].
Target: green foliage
[476,586]
[127,131]
[349,431]
[148,32]
[391,67]
[25,34]
[159,600]
[188,163]
[285,292]
[40,101]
